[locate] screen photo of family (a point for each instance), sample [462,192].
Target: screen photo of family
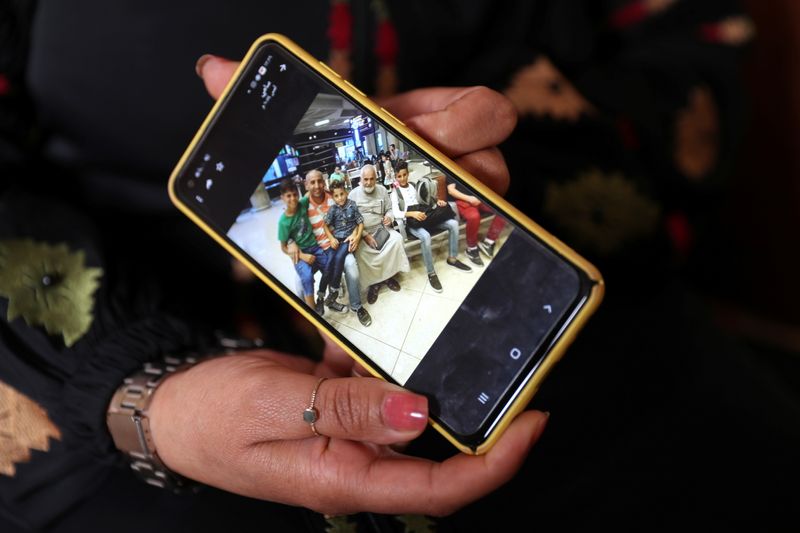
[373,237]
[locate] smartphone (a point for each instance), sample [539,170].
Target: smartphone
[479,347]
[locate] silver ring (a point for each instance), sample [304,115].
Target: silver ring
[311,415]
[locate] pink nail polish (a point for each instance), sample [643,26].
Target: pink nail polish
[404,411]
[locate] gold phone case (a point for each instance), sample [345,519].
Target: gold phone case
[509,211]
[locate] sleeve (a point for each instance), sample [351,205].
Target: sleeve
[328,218]
[283,229]
[70,332]
[359,218]
[397,213]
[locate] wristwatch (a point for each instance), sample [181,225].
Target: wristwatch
[129,424]
[127,416]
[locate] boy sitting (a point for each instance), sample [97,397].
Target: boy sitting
[343,227]
[294,225]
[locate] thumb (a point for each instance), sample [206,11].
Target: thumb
[216,72]
[367,409]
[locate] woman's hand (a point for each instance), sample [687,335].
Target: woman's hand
[465,123]
[235,422]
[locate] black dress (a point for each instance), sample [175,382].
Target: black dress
[658,420]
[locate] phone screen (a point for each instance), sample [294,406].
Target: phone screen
[470,347]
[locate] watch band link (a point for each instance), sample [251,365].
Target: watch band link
[129,424]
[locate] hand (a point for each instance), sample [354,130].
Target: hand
[308,258]
[370,240]
[334,243]
[466,124]
[441,203]
[387,221]
[352,241]
[294,252]
[473,201]
[416,215]
[235,422]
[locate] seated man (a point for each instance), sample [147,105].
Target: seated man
[411,209]
[470,209]
[377,262]
[295,225]
[319,201]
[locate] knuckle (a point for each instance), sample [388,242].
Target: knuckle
[503,110]
[349,408]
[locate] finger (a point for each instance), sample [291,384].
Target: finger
[360,371]
[489,166]
[335,361]
[368,410]
[216,72]
[457,120]
[401,484]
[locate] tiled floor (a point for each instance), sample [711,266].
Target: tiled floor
[404,324]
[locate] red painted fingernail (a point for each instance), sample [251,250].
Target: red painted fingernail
[198,67]
[404,411]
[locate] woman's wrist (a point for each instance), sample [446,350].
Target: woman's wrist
[129,422]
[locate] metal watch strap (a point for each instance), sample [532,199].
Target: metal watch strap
[129,424]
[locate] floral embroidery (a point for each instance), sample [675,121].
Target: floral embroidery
[48,286]
[601,212]
[540,89]
[24,426]
[417,523]
[340,524]
[697,135]
[386,48]
[732,31]
[638,11]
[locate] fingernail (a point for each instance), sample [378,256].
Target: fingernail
[198,67]
[547,414]
[404,411]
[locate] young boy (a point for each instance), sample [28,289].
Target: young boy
[294,225]
[343,227]
[470,209]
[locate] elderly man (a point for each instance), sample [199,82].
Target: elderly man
[319,201]
[384,256]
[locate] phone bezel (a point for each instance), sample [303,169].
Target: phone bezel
[592,286]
